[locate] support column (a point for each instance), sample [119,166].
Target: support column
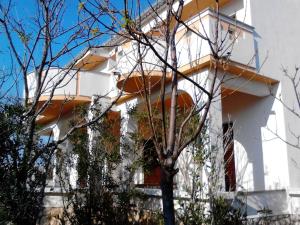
[56,133]
[128,125]
[216,176]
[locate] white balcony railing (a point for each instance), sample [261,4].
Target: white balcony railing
[235,39]
[71,83]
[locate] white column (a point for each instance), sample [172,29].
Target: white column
[216,139]
[128,125]
[56,133]
[215,130]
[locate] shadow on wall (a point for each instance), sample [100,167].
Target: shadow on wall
[267,203]
[255,172]
[249,114]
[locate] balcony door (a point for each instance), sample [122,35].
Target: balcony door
[229,163]
[152,171]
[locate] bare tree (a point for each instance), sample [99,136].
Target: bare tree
[292,79]
[171,134]
[36,44]
[173,139]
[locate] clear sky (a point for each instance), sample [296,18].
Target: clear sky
[23,11]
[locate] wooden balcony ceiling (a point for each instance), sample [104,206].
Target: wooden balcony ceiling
[89,61]
[184,101]
[59,106]
[229,66]
[133,85]
[135,82]
[194,7]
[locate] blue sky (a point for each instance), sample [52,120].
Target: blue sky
[23,11]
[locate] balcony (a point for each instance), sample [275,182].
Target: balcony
[193,52]
[235,38]
[71,88]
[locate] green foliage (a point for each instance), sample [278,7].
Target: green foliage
[219,211]
[4,218]
[194,210]
[105,193]
[203,206]
[223,213]
[25,38]
[80,6]
[95,31]
[24,163]
[126,20]
[102,195]
[191,212]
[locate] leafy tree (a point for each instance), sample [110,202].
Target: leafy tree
[22,170]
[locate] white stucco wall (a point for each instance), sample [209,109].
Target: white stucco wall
[241,9]
[264,130]
[277,36]
[128,57]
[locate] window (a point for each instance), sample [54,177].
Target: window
[152,171]
[229,167]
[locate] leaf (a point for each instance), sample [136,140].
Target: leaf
[24,38]
[95,31]
[80,6]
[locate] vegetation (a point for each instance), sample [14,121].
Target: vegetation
[22,168]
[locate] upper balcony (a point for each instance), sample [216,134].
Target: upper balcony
[68,88]
[235,40]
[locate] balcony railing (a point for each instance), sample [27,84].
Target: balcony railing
[71,83]
[233,38]
[71,88]
[131,71]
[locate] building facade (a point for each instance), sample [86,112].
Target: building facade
[255,99]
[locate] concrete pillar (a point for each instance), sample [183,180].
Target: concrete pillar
[128,125]
[56,133]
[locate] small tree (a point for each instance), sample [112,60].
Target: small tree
[22,180]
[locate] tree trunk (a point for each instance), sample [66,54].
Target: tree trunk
[166,185]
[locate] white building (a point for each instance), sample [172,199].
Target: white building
[265,132]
